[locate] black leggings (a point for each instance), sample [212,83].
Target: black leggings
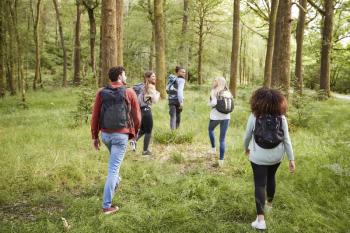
[264,178]
[146,127]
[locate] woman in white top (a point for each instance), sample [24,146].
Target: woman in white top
[217,118]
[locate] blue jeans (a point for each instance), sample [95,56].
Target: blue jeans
[116,144]
[223,129]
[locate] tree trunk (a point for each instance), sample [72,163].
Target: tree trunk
[76,78]
[299,52]
[108,38]
[241,57]
[270,43]
[2,56]
[64,50]
[160,46]
[21,80]
[281,53]
[119,31]
[200,50]
[184,32]
[37,77]
[235,47]
[151,49]
[92,23]
[152,44]
[284,56]
[327,31]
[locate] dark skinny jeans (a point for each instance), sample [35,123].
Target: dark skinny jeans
[146,127]
[175,114]
[264,180]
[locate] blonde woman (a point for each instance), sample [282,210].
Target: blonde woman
[218,116]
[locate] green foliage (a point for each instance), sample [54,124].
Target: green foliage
[86,93]
[169,137]
[300,111]
[177,157]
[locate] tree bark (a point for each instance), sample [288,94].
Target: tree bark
[184,32]
[152,43]
[92,23]
[76,77]
[160,46]
[108,38]
[235,47]
[119,31]
[200,50]
[299,52]
[327,31]
[281,53]
[284,55]
[64,50]
[37,77]
[21,80]
[2,45]
[270,43]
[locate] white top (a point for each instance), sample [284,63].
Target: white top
[215,114]
[152,96]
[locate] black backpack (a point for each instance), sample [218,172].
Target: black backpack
[268,132]
[114,109]
[224,103]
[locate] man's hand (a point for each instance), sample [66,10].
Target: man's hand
[291,166]
[247,151]
[96,143]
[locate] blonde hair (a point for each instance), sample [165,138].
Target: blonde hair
[219,84]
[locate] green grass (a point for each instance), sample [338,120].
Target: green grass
[49,171]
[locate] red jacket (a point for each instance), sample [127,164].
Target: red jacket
[134,116]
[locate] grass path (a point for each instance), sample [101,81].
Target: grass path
[50,172]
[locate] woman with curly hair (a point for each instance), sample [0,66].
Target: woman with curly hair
[266,141]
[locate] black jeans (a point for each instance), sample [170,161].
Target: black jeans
[175,115]
[264,179]
[146,127]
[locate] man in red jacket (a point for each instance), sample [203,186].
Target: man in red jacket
[116,114]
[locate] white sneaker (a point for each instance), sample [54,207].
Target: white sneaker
[221,163]
[133,145]
[261,225]
[213,151]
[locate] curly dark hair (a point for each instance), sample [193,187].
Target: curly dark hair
[114,73]
[268,101]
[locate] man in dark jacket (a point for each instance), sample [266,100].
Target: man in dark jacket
[116,114]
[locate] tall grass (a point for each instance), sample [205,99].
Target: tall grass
[49,171]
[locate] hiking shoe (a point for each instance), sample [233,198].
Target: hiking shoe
[147,152]
[110,210]
[133,145]
[260,225]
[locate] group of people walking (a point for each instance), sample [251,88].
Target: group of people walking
[123,114]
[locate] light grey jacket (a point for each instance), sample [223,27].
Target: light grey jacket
[263,156]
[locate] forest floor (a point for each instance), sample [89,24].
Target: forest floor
[52,180]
